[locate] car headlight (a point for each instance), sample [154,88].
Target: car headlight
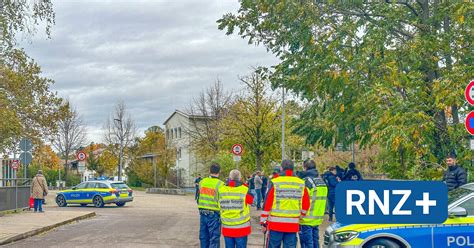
[342,237]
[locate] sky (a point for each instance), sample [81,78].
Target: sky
[153,55]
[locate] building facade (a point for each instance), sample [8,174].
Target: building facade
[177,129]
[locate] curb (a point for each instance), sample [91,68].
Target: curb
[45,229]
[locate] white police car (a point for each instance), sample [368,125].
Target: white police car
[456,231]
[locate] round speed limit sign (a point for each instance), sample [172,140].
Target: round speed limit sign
[237,149]
[81,156]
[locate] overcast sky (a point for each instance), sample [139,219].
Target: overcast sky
[153,55]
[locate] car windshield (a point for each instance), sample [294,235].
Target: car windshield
[119,186]
[453,195]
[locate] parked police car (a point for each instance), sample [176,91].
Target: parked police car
[98,193]
[456,231]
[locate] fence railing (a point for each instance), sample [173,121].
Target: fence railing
[14,193]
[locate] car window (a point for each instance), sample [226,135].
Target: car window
[81,186]
[457,194]
[119,185]
[469,206]
[91,185]
[102,186]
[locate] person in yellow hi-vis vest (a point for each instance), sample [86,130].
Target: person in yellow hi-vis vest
[235,201]
[208,204]
[318,191]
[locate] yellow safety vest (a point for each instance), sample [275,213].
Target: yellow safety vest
[235,213]
[288,195]
[208,193]
[318,196]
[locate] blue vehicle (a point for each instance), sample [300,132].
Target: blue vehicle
[456,231]
[97,193]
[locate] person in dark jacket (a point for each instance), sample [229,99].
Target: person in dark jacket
[340,172]
[326,174]
[332,181]
[264,186]
[196,184]
[352,173]
[455,175]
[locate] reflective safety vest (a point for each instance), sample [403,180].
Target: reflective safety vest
[208,193]
[287,202]
[318,197]
[234,212]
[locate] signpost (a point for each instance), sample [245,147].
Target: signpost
[25,157]
[237,150]
[81,166]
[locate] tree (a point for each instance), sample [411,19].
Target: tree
[71,134]
[152,146]
[120,131]
[107,161]
[22,16]
[382,73]
[27,106]
[207,112]
[252,119]
[45,158]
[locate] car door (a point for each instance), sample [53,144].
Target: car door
[89,192]
[457,231]
[75,194]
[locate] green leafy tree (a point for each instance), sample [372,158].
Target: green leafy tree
[385,73]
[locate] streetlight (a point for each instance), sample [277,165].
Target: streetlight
[283,125]
[121,150]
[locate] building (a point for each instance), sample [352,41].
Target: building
[178,128]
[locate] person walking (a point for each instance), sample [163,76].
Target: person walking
[258,189]
[209,211]
[287,201]
[39,189]
[235,201]
[196,184]
[332,181]
[318,191]
[352,174]
[455,176]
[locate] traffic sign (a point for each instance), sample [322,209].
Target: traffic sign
[81,156]
[26,145]
[469,123]
[469,93]
[237,149]
[15,164]
[26,158]
[81,166]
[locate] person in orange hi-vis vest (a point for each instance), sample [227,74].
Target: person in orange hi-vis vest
[287,200]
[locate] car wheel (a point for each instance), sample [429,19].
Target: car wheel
[120,204]
[61,201]
[83,204]
[98,202]
[383,243]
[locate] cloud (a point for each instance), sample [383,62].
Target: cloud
[153,55]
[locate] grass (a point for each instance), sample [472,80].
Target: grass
[138,188]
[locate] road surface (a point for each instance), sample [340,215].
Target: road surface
[151,220]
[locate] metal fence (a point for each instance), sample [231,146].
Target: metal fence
[15,195]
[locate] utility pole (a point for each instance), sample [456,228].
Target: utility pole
[283,125]
[121,150]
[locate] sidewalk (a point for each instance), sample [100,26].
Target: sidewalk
[17,226]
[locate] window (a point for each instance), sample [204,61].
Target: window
[81,186]
[91,185]
[171,134]
[178,153]
[469,206]
[179,130]
[119,186]
[167,134]
[175,132]
[102,186]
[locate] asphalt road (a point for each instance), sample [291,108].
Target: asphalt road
[151,220]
